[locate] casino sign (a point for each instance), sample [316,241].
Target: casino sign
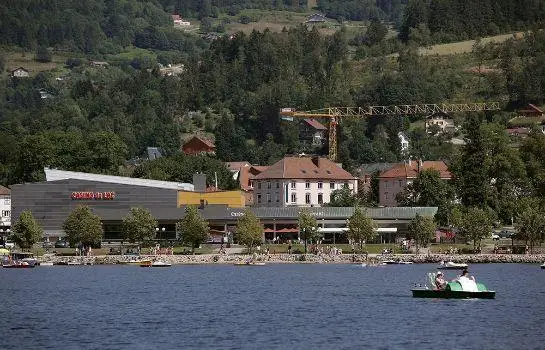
[93,195]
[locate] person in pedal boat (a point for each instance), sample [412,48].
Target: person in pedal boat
[440,282]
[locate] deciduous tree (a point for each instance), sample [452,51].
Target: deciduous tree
[26,231]
[83,226]
[249,231]
[139,225]
[422,228]
[361,228]
[308,227]
[193,228]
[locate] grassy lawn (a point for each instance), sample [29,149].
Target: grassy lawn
[18,58]
[465,46]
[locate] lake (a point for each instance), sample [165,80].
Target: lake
[278,306]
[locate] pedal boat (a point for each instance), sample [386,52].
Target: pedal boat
[454,290]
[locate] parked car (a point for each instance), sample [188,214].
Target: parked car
[495,236]
[62,244]
[506,234]
[47,244]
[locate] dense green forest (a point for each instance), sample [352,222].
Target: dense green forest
[452,20]
[94,27]
[231,89]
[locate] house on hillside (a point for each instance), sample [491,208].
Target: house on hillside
[394,180]
[199,145]
[439,123]
[20,73]
[45,94]
[316,18]
[365,173]
[153,153]
[301,182]
[531,111]
[99,64]
[244,173]
[313,132]
[179,22]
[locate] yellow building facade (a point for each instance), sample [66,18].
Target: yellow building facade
[233,199]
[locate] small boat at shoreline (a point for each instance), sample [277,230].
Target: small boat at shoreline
[542,266]
[249,263]
[396,262]
[449,265]
[18,265]
[135,262]
[155,264]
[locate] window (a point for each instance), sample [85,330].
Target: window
[259,185]
[307,185]
[346,184]
[307,198]
[6,213]
[259,198]
[7,201]
[293,184]
[293,198]
[386,195]
[277,197]
[268,197]
[277,184]
[320,185]
[320,198]
[268,184]
[400,183]
[251,184]
[386,184]
[332,185]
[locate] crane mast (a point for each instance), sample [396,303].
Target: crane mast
[334,114]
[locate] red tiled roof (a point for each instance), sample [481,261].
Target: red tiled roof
[237,165]
[315,124]
[305,168]
[4,191]
[203,140]
[518,131]
[406,171]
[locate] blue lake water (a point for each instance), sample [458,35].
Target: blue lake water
[311,306]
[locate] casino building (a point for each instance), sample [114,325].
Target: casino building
[111,198]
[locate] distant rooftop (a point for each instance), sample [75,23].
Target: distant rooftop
[55,175]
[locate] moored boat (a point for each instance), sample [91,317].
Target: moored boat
[396,262]
[449,265]
[155,264]
[135,262]
[18,265]
[543,266]
[249,263]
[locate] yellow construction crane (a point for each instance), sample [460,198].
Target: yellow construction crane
[335,113]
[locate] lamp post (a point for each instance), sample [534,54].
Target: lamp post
[158,232]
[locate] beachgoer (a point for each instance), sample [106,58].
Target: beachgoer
[440,282]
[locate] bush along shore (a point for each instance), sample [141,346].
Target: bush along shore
[301,258]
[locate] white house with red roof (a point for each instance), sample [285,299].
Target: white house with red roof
[393,180]
[313,132]
[300,181]
[178,21]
